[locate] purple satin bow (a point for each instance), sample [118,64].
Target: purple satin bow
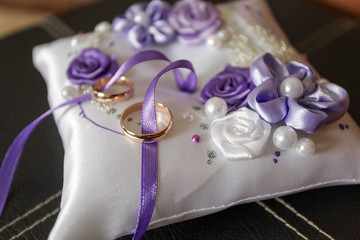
[319,103]
[149,150]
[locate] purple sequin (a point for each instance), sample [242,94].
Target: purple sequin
[275,160]
[277,153]
[341,126]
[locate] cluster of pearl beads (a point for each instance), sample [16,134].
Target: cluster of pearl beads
[100,30]
[285,138]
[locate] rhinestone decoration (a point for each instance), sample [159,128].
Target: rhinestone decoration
[111,111]
[204,126]
[211,154]
[196,108]
[195,139]
[277,153]
[187,117]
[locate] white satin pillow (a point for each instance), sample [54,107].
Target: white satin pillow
[102,169]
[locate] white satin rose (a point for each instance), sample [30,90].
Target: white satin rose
[241,134]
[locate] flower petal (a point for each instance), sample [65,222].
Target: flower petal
[304,119]
[329,98]
[303,72]
[161,32]
[241,135]
[267,66]
[157,10]
[139,37]
[265,100]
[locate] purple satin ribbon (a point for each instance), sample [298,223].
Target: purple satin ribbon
[149,158]
[13,154]
[149,150]
[319,104]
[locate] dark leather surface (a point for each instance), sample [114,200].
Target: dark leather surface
[330,213]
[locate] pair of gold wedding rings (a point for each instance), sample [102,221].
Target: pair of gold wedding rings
[127,90]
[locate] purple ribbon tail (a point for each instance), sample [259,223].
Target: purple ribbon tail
[149,177]
[13,154]
[149,125]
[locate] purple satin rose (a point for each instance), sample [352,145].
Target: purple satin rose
[317,104]
[233,85]
[194,21]
[145,24]
[90,66]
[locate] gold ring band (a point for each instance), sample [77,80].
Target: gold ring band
[99,85]
[160,108]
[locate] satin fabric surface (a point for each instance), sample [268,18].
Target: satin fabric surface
[102,170]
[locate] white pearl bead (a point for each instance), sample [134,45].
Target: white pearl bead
[218,39]
[284,137]
[223,35]
[214,41]
[291,87]
[103,27]
[69,92]
[76,40]
[215,108]
[305,147]
[141,17]
[187,117]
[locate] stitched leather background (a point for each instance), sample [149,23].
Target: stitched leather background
[335,211]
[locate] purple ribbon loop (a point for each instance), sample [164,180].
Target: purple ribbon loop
[188,85]
[307,119]
[149,149]
[266,101]
[149,157]
[265,67]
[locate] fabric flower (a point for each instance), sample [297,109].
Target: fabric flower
[194,21]
[233,85]
[145,24]
[317,104]
[241,134]
[90,66]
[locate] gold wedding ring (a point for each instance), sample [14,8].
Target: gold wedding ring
[98,86]
[164,114]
